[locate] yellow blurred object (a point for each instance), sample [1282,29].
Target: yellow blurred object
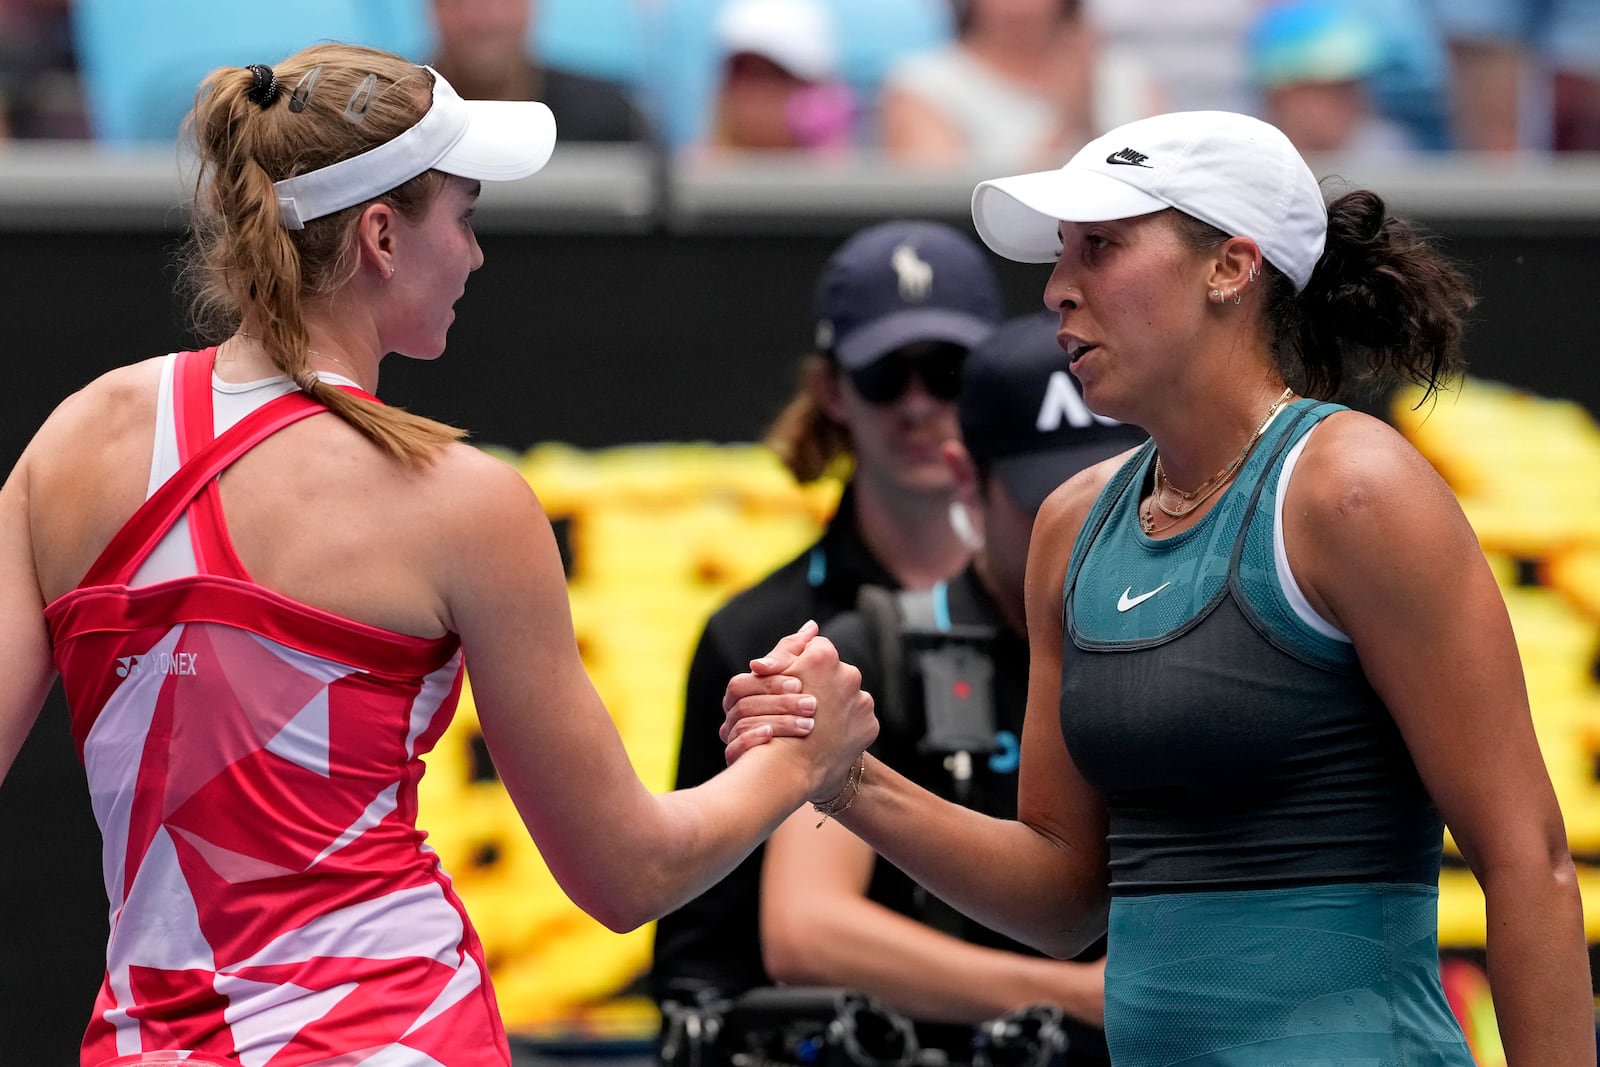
[658,536]
[1576,572]
[1524,467]
[1527,472]
[1461,917]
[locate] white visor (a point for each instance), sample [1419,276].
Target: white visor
[487,140]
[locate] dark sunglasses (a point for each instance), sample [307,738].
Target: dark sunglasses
[886,379]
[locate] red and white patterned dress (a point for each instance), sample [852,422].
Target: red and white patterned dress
[253,764]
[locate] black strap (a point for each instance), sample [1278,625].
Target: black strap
[880,608]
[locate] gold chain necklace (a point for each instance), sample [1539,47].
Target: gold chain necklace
[309,351]
[1200,493]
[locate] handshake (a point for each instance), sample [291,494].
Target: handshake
[803,690]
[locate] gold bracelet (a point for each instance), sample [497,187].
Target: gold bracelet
[846,794]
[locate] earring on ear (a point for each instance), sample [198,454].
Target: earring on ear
[1253,272]
[1216,296]
[1237,296]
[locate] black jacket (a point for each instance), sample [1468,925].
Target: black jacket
[713,942]
[906,743]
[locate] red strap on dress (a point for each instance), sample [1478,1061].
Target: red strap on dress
[121,558]
[194,419]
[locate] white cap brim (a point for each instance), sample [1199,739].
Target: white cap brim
[504,140]
[1017,216]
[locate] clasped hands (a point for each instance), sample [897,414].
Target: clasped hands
[801,689]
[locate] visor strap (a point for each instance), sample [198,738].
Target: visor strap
[350,181]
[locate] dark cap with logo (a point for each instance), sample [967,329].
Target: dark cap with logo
[902,282]
[1023,416]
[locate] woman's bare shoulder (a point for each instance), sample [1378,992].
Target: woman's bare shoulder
[129,385]
[476,492]
[1066,508]
[1355,463]
[108,412]
[473,472]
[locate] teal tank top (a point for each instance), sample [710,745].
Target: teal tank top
[1274,857]
[1235,745]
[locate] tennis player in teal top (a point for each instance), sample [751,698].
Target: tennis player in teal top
[1268,661]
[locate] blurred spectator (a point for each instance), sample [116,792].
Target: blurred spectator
[41,94]
[1012,91]
[1412,85]
[779,85]
[898,306]
[1311,60]
[1526,73]
[1155,56]
[680,56]
[482,49]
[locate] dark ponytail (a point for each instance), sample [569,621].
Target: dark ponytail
[1382,301]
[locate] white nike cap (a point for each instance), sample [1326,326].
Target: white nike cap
[1236,172]
[488,140]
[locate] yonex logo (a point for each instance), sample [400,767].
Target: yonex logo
[1127,157]
[159,663]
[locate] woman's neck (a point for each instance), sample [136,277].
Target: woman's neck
[1200,452]
[244,357]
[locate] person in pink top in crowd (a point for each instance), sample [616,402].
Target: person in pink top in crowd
[778,85]
[259,586]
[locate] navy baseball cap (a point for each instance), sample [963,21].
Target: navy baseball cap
[901,282]
[1023,416]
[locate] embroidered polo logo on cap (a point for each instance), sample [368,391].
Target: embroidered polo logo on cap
[916,273]
[1127,157]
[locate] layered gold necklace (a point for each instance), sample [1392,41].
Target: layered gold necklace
[1193,498]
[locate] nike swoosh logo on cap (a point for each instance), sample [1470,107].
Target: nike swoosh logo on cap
[1126,602]
[1127,157]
